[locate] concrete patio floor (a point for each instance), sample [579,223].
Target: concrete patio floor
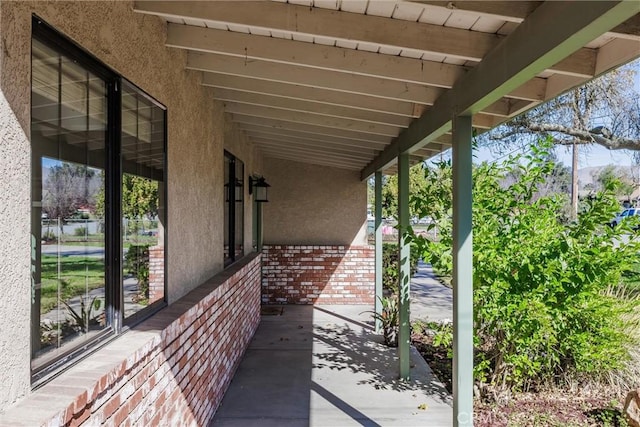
[324,366]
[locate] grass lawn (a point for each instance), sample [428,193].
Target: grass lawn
[76,274]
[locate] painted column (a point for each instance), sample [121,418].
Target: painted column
[462,273]
[378,247]
[404,265]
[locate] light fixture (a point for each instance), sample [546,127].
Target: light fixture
[258,187]
[237,193]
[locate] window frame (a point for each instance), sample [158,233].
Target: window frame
[231,227]
[115,322]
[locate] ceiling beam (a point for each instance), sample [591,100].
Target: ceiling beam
[368,151]
[551,32]
[459,43]
[314,149]
[313,55]
[285,133]
[302,155]
[293,91]
[311,161]
[311,119]
[313,77]
[311,129]
[311,107]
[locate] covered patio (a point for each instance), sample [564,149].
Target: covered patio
[378,86]
[315,96]
[325,366]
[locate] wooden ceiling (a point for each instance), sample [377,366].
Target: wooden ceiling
[352,83]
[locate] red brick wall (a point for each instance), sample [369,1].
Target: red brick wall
[172,369]
[156,273]
[325,274]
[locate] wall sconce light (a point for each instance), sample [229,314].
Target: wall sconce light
[258,187]
[238,187]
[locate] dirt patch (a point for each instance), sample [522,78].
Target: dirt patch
[557,408]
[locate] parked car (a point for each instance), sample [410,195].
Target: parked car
[627,213]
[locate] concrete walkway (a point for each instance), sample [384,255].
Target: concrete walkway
[324,366]
[430,299]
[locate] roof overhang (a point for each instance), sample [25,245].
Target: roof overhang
[352,84]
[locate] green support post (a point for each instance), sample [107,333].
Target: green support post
[462,273]
[378,249]
[404,266]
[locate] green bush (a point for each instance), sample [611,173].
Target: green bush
[390,265]
[136,262]
[543,304]
[80,231]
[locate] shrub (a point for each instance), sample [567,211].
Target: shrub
[136,262]
[541,302]
[80,231]
[390,265]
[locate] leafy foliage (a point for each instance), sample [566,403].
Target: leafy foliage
[390,265]
[543,305]
[139,197]
[389,320]
[136,262]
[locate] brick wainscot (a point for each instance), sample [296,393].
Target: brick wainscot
[319,274]
[171,370]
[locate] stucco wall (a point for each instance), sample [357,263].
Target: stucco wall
[313,205]
[133,45]
[15,225]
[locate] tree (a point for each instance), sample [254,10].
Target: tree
[547,306]
[67,187]
[139,197]
[604,111]
[390,190]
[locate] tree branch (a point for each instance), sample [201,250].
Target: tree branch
[585,137]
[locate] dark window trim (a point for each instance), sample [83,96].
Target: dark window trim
[116,324]
[231,196]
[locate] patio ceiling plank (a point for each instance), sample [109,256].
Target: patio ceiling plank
[313,119]
[311,129]
[311,148]
[293,91]
[255,130]
[361,151]
[320,56]
[517,11]
[303,155]
[311,107]
[452,42]
[553,30]
[313,77]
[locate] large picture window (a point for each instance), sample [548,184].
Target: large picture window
[98,202]
[233,208]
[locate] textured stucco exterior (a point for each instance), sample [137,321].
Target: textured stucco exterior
[133,45]
[314,205]
[15,224]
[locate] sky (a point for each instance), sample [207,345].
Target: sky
[589,156]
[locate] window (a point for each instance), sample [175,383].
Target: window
[98,202]
[233,208]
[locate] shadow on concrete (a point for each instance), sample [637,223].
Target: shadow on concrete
[324,366]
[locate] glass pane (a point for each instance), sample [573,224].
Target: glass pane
[239,211]
[68,157]
[227,203]
[143,211]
